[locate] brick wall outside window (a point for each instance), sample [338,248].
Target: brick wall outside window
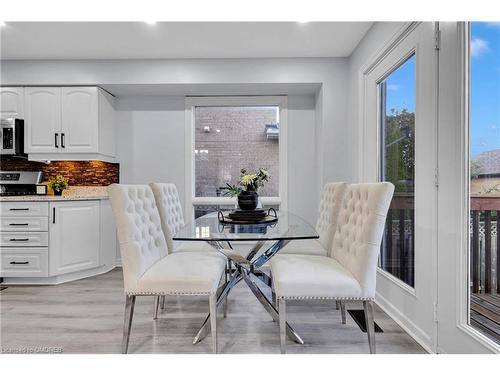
[236,139]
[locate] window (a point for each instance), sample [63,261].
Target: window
[230,138]
[484,188]
[227,134]
[397,124]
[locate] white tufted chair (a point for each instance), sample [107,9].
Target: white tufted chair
[172,219]
[147,268]
[329,207]
[349,273]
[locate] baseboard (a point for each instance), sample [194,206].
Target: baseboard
[411,329]
[60,279]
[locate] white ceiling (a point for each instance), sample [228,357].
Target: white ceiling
[138,40]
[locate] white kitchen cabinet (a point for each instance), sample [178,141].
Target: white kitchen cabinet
[80,120]
[69,123]
[12,102]
[54,241]
[23,209]
[74,232]
[24,239]
[23,224]
[109,254]
[24,262]
[43,119]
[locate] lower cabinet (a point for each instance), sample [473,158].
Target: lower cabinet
[24,262]
[56,241]
[74,230]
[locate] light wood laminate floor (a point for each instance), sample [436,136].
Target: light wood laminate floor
[86,316]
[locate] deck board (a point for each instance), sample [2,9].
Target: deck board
[485,314]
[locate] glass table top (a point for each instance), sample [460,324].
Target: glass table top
[208,228]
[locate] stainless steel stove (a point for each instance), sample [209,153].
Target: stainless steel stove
[14,183]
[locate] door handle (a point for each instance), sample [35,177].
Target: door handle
[19,209]
[62,140]
[18,224]
[19,262]
[19,239]
[56,140]
[53,215]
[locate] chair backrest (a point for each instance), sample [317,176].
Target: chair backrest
[169,206]
[140,235]
[360,226]
[329,207]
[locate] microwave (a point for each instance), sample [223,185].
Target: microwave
[12,135]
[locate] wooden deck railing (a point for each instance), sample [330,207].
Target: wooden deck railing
[398,248]
[397,254]
[485,244]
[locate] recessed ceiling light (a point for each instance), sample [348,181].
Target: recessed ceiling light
[302,21]
[2,24]
[150,22]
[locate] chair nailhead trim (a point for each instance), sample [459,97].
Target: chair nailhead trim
[168,293]
[332,298]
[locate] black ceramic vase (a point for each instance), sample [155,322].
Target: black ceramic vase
[248,200]
[58,192]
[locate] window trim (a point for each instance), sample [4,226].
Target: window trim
[190,104]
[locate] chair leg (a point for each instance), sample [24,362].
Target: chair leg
[282,318]
[273,296]
[213,320]
[342,311]
[228,276]
[127,324]
[162,302]
[370,325]
[274,302]
[156,306]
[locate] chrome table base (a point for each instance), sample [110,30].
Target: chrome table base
[245,268]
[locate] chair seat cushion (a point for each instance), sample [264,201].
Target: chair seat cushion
[306,247]
[183,273]
[190,246]
[297,276]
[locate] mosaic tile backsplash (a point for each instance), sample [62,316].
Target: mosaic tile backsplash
[78,173]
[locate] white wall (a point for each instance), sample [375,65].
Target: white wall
[334,158]
[150,146]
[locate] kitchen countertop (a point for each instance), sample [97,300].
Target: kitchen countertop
[73,193]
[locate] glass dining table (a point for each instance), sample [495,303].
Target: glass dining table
[263,240]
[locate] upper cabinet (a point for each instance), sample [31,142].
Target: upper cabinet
[70,123]
[42,120]
[80,119]
[12,102]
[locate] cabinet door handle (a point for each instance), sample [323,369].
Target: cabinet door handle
[19,239]
[56,141]
[62,140]
[53,215]
[19,262]
[19,209]
[18,224]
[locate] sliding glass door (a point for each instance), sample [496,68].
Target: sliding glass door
[484,188]
[469,199]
